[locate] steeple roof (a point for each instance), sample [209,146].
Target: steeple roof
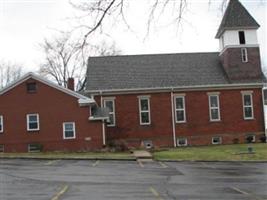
[235,17]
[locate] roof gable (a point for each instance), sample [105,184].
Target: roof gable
[46,82]
[236,16]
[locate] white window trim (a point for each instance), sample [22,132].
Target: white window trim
[144,111]
[112,99]
[179,145]
[218,107]
[2,123]
[38,122]
[220,138]
[244,106]
[244,52]
[179,109]
[74,131]
[253,136]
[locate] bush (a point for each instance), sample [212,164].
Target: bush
[235,140]
[263,138]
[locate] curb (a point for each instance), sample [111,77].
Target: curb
[38,158]
[230,161]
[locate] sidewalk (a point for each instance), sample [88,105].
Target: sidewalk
[142,154]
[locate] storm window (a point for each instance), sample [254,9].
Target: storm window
[247,105]
[144,110]
[180,109]
[68,130]
[32,122]
[110,104]
[214,107]
[1,124]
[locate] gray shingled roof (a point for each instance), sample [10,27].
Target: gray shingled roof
[154,71]
[236,16]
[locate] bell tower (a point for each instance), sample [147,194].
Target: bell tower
[239,48]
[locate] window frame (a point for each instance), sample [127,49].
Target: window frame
[251,135]
[31,83]
[140,98]
[182,138]
[217,95]
[216,143]
[250,94]
[182,96]
[2,123]
[244,55]
[111,99]
[31,151]
[64,129]
[38,122]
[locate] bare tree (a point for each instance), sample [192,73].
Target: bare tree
[9,72]
[64,58]
[101,10]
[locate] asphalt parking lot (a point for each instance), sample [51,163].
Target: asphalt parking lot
[90,179]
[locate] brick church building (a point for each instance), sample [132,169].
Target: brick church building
[161,100]
[185,98]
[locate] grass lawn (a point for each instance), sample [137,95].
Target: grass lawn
[215,153]
[59,155]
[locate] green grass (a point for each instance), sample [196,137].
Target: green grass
[59,155]
[215,153]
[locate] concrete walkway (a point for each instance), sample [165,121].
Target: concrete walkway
[142,154]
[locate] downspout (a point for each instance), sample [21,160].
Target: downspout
[173,120]
[263,104]
[103,122]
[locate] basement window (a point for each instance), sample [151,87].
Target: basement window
[244,55]
[181,142]
[216,140]
[1,148]
[31,87]
[242,39]
[34,148]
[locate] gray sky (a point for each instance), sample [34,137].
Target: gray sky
[24,24]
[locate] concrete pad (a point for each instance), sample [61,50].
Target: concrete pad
[142,154]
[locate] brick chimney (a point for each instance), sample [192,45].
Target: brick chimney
[70,83]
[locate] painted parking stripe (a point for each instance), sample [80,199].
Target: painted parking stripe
[95,163]
[163,165]
[61,192]
[51,162]
[155,193]
[205,165]
[246,193]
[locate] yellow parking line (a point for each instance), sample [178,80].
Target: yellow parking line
[240,191]
[60,193]
[155,193]
[51,162]
[163,165]
[95,163]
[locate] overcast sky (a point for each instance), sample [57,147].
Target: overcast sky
[24,24]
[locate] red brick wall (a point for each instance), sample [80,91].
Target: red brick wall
[54,107]
[198,129]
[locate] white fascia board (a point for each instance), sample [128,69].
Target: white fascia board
[46,82]
[177,89]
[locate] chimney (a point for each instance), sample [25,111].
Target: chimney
[70,84]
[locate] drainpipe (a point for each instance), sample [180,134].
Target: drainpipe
[263,104]
[173,120]
[103,122]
